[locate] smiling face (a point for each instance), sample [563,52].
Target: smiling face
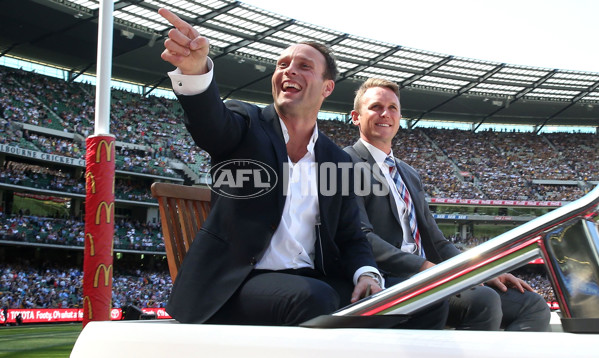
[378,117]
[298,86]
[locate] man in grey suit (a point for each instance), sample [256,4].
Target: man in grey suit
[403,234]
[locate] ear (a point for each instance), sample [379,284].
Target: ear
[355,118]
[329,86]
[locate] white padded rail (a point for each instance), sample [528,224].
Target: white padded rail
[150,339]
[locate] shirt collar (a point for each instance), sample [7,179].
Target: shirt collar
[311,142]
[378,155]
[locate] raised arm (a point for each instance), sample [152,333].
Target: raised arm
[185,48]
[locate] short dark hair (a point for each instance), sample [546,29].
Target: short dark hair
[331,72]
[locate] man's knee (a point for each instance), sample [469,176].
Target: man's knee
[278,299]
[541,313]
[478,308]
[316,299]
[526,311]
[485,299]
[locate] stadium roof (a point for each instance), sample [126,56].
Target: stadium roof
[246,41]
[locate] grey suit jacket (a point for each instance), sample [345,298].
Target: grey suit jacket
[380,220]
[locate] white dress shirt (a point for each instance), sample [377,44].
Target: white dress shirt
[293,243]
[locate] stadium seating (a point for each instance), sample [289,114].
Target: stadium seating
[453,163]
[58,285]
[51,116]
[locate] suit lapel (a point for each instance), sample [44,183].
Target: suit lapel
[324,233]
[272,127]
[321,156]
[367,157]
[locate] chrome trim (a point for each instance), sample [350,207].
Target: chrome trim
[501,254]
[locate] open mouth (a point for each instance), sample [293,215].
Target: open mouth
[291,87]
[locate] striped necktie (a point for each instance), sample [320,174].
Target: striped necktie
[405,195]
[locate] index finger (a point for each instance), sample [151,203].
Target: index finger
[177,22]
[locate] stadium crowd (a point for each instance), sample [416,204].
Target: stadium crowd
[445,174]
[452,163]
[52,286]
[129,234]
[42,177]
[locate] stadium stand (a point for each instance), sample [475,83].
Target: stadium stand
[154,146]
[51,285]
[44,122]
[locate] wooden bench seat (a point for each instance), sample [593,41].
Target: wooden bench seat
[183,210]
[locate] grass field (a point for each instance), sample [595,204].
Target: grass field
[33,341]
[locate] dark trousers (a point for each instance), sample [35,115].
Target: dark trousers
[431,317]
[487,309]
[526,311]
[291,297]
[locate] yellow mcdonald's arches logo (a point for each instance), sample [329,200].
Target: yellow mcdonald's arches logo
[92,246]
[107,271]
[89,178]
[108,210]
[87,300]
[106,145]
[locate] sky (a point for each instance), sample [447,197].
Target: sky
[562,34]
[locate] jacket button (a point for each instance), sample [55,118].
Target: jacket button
[397,244]
[253,261]
[273,227]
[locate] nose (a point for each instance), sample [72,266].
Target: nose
[291,69]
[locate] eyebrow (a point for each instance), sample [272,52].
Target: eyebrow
[300,57]
[381,104]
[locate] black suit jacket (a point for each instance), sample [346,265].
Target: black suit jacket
[380,220]
[238,231]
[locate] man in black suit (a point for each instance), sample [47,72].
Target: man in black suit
[404,236]
[290,253]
